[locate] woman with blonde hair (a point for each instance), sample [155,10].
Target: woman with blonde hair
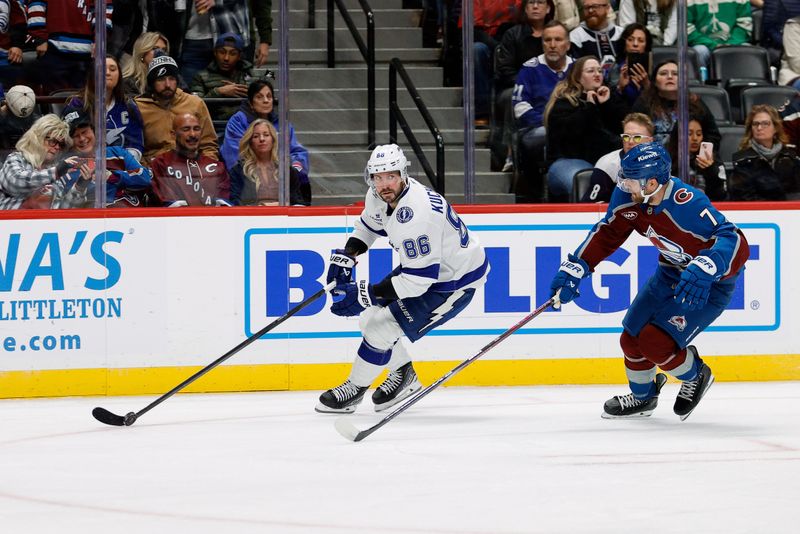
[134,68]
[583,119]
[765,167]
[30,176]
[254,178]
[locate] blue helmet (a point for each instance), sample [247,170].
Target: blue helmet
[645,161]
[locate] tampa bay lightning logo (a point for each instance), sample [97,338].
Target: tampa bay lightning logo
[405,214]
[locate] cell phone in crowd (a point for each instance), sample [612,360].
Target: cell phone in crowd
[635,58]
[707,150]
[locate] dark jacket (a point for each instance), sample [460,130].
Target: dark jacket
[753,177]
[666,123]
[243,191]
[517,46]
[207,82]
[712,179]
[586,131]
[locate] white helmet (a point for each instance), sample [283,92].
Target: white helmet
[386,158]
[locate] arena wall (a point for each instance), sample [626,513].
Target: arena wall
[122,302]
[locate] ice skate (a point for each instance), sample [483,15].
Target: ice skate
[692,391]
[341,399]
[630,406]
[399,384]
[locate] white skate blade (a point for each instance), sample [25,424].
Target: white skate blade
[410,390]
[710,381]
[346,428]
[639,415]
[321,408]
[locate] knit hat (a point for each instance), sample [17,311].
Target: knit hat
[230,39]
[161,66]
[78,118]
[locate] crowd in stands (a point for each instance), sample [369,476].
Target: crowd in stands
[165,145]
[566,85]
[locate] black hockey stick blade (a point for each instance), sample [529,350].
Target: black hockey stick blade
[349,430]
[112,419]
[104,416]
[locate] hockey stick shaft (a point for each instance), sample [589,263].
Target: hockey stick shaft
[131,417]
[342,425]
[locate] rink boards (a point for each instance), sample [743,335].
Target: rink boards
[133,302]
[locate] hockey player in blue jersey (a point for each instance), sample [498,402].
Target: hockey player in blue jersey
[701,256]
[441,265]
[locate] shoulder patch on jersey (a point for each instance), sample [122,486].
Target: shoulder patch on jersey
[405,214]
[630,215]
[682,196]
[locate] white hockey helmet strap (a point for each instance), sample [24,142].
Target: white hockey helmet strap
[386,158]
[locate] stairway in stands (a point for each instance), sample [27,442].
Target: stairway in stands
[328,107]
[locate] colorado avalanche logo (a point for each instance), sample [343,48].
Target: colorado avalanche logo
[682,196]
[669,250]
[405,214]
[678,321]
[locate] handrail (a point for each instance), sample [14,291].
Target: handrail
[395,114]
[367,52]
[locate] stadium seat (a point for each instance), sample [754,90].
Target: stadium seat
[580,184]
[58,108]
[731,137]
[772,95]
[737,67]
[716,100]
[664,53]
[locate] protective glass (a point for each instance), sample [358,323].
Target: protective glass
[631,186]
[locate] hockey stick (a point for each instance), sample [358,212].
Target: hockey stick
[349,430]
[104,416]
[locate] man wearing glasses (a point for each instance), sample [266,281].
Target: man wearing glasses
[637,128]
[597,35]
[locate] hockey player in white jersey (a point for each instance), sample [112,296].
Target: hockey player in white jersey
[441,264]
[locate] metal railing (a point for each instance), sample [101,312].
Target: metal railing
[367,52]
[396,115]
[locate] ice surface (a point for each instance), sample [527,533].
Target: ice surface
[462,460]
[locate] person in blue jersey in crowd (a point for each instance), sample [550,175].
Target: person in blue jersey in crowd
[701,256]
[441,265]
[260,104]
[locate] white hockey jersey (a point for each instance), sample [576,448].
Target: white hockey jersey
[437,251]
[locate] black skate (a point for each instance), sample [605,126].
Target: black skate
[400,383]
[630,406]
[341,399]
[692,391]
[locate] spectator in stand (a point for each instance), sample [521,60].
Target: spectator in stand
[713,23]
[123,120]
[254,179]
[637,128]
[773,25]
[227,76]
[627,78]
[260,105]
[12,40]
[567,13]
[134,69]
[535,83]
[519,44]
[659,17]
[194,29]
[63,33]
[491,19]
[583,119]
[597,36]
[15,122]
[185,176]
[162,103]
[790,62]
[705,173]
[765,168]
[127,182]
[660,101]
[34,177]
[790,114]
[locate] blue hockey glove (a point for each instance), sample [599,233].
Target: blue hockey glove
[695,285]
[568,278]
[357,298]
[340,269]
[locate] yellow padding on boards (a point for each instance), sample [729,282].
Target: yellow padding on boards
[159,380]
